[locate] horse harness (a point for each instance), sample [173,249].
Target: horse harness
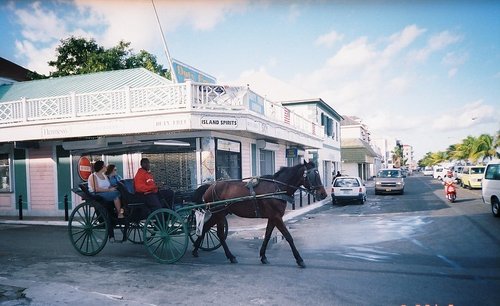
[278,194]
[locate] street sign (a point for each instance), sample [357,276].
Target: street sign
[84,168]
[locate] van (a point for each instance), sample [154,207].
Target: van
[472,177]
[491,186]
[439,173]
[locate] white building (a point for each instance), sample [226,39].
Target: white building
[358,156]
[46,126]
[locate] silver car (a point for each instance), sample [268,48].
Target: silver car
[389,181]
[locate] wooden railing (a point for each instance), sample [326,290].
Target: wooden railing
[186,96]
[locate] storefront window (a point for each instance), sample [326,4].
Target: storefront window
[228,159]
[266,162]
[5,173]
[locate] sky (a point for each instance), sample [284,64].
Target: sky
[424,72]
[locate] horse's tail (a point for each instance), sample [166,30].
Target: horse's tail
[199,192]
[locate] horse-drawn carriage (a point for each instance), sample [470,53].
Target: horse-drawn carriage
[166,232]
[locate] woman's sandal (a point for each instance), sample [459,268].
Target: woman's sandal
[121,214]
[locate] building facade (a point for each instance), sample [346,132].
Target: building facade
[50,130]
[328,156]
[358,156]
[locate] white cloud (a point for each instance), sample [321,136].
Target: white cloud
[401,40]
[108,22]
[39,25]
[452,72]
[466,116]
[329,39]
[33,55]
[355,54]
[435,43]
[270,87]
[455,59]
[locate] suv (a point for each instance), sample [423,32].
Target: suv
[389,181]
[491,186]
[472,176]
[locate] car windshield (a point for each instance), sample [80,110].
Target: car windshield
[389,173]
[479,170]
[346,182]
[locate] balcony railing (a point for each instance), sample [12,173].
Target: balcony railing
[187,96]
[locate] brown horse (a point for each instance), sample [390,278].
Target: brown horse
[265,198]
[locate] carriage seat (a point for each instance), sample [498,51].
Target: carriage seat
[127,192]
[87,195]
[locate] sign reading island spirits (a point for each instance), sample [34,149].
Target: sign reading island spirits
[219,122]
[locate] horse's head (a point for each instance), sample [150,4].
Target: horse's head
[312,181]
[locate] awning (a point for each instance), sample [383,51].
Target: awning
[140,147]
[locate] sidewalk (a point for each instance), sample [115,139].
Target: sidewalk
[236,224]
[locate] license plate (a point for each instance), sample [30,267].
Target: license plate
[388,189]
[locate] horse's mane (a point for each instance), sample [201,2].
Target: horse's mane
[288,169]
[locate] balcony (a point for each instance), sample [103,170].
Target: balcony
[129,102]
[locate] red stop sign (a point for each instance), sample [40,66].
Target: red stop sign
[84,168]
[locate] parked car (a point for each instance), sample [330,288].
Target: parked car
[472,176]
[491,187]
[348,188]
[389,181]
[428,171]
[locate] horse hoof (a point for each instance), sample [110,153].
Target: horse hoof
[195,254]
[264,261]
[233,260]
[301,264]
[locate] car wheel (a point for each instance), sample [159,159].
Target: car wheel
[333,201]
[495,207]
[402,192]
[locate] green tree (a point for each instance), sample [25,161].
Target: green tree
[80,56]
[74,55]
[483,148]
[397,156]
[464,150]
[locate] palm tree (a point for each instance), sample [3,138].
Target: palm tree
[464,150]
[483,148]
[496,146]
[438,157]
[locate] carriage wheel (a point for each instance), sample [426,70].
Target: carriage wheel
[211,241]
[135,232]
[165,235]
[88,228]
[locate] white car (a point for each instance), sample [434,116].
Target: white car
[348,188]
[428,171]
[491,187]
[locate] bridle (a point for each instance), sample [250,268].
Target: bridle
[310,180]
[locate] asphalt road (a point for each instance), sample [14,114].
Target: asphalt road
[414,249]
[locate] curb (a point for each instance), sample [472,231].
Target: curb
[289,214]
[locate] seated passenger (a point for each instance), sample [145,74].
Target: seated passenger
[145,185]
[99,184]
[112,174]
